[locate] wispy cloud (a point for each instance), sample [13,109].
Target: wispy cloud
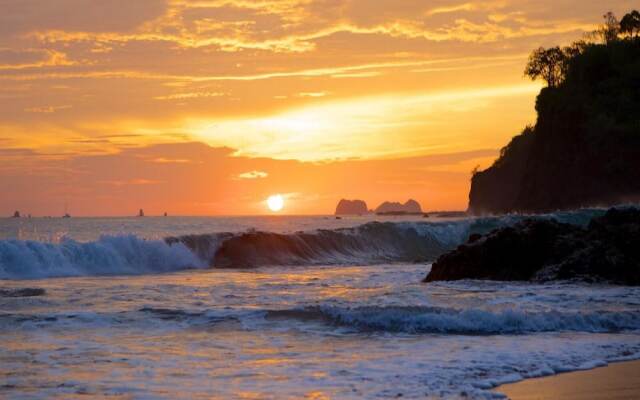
[186,96]
[253,175]
[132,182]
[46,109]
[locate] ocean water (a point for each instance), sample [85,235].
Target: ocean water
[284,308]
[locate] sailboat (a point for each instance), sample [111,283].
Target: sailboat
[66,213]
[141,213]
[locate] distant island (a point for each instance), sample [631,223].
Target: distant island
[584,149]
[351,207]
[411,207]
[359,207]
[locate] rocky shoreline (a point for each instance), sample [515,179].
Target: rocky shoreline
[540,250]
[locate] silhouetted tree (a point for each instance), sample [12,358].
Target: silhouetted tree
[609,31]
[548,64]
[630,24]
[570,52]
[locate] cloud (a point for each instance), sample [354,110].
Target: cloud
[46,109]
[123,182]
[162,160]
[132,182]
[418,122]
[193,95]
[33,58]
[341,71]
[23,16]
[313,94]
[253,175]
[294,26]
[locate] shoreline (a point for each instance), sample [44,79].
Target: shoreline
[615,381]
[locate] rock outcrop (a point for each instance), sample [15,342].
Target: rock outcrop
[584,149]
[22,292]
[410,207]
[351,207]
[608,250]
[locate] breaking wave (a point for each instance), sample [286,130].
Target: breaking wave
[371,243]
[110,255]
[414,320]
[438,320]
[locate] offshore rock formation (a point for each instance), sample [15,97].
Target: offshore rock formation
[410,207]
[544,250]
[351,207]
[585,147]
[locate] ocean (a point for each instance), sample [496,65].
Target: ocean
[284,308]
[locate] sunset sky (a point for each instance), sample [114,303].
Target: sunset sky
[207,107]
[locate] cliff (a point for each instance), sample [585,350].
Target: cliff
[584,149]
[351,207]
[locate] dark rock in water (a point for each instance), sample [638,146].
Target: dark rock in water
[395,208]
[22,292]
[608,250]
[351,207]
[449,214]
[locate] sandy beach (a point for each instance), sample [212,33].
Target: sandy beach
[616,381]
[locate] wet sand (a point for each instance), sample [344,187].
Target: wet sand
[616,381]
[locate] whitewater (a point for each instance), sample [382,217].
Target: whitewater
[284,307]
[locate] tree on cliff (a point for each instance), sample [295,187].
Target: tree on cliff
[610,30]
[630,24]
[552,64]
[548,64]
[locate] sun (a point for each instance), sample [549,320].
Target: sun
[275,202]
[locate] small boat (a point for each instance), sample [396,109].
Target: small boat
[16,214]
[141,213]
[66,211]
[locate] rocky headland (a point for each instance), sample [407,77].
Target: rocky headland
[584,149]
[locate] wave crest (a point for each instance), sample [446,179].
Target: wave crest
[468,322]
[110,255]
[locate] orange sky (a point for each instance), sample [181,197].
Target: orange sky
[206,107]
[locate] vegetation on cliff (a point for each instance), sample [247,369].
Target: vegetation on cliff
[584,149]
